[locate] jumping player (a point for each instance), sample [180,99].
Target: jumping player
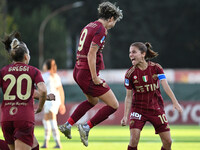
[86,72]
[17,81]
[143,98]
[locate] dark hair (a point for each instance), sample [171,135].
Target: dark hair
[48,63]
[147,48]
[106,10]
[15,46]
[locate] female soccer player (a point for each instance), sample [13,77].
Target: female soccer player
[88,64]
[51,108]
[143,97]
[17,81]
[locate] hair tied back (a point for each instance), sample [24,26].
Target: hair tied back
[15,42]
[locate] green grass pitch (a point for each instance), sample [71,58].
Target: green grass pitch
[117,138]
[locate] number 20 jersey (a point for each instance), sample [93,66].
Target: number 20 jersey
[96,33]
[17,81]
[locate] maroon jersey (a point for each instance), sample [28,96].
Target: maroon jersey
[96,33]
[17,81]
[145,86]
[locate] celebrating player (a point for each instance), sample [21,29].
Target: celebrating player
[143,98]
[86,72]
[17,81]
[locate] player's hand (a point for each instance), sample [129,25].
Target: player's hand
[178,107]
[124,121]
[38,110]
[62,109]
[97,80]
[51,97]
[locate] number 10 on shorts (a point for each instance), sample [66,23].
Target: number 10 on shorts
[163,118]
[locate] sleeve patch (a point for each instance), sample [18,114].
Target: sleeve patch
[127,82]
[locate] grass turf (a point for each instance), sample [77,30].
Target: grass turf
[117,138]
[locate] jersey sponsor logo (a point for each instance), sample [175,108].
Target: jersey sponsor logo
[103,38]
[135,115]
[136,81]
[145,78]
[127,82]
[147,87]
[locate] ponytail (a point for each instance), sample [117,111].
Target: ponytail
[15,46]
[150,53]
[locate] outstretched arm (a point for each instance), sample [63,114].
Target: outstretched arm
[170,93]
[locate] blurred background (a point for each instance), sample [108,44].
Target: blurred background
[51,30]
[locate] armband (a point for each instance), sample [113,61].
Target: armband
[161,76]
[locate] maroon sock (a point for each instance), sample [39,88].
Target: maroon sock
[163,148]
[81,110]
[36,148]
[132,148]
[102,114]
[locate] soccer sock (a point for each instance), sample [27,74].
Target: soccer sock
[102,114]
[47,128]
[131,148]
[36,148]
[163,148]
[55,131]
[80,111]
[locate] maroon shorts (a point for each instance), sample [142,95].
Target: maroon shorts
[84,80]
[157,119]
[3,145]
[21,130]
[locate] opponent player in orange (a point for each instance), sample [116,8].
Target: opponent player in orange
[86,72]
[143,98]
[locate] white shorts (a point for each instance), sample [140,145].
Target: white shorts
[50,106]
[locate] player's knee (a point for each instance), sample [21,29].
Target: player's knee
[116,105]
[167,143]
[134,141]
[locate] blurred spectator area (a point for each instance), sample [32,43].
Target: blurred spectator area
[184,83]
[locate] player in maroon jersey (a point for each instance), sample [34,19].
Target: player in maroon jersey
[143,99]
[17,81]
[86,72]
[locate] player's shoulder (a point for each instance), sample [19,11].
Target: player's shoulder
[5,67]
[154,64]
[130,71]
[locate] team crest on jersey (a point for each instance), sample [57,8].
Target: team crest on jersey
[103,38]
[145,78]
[13,110]
[154,76]
[135,77]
